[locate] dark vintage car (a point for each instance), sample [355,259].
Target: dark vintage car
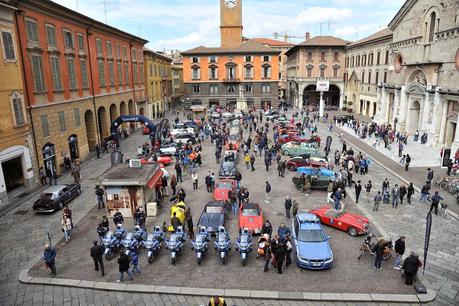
[213,216]
[227,169]
[299,161]
[55,197]
[318,181]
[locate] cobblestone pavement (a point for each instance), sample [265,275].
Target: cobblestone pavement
[23,239]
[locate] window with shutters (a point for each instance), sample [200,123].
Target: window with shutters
[309,72]
[335,72]
[322,72]
[231,89]
[68,39]
[84,74]
[72,73]
[265,89]
[50,35]
[151,70]
[213,73]
[62,126]
[248,59]
[134,72]
[32,31]
[101,69]
[76,114]
[249,72]
[195,60]
[322,56]
[385,77]
[18,108]
[378,58]
[213,89]
[55,64]
[44,125]
[196,89]
[336,56]
[266,72]
[369,77]
[196,74]
[8,46]
[126,73]
[37,71]
[99,47]
[309,56]
[111,73]
[363,77]
[109,50]
[134,55]
[376,77]
[124,54]
[248,88]
[120,74]
[212,59]
[266,58]
[386,60]
[117,51]
[141,73]
[80,38]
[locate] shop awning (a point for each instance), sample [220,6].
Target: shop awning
[155,179]
[198,108]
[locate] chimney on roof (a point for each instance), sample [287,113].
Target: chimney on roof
[307,36]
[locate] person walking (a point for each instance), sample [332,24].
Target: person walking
[410,268]
[358,190]
[49,259]
[178,172]
[330,188]
[436,198]
[288,205]
[267,192]
[385,185]
[208,181]
[368,187]
[49,175]
[295,208]
[280,255]
[174,184]
[42,176]
[189,224]
[194,177]
[252,161]
[379,253]
[402,193]
[395,193]
[399,251]
[338,197]
[123,265]
[66,227]
[377,199]
[424,192]
[430,175]
[409,193]
[97,253]
[288,251]
[118,217]
[97,150]
[407,161]
[135,262]
[100,197]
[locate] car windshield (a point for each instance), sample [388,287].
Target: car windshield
[183,136]
[307,235]
[214,210]
[228,165]
[224,185]
[233,137]
[250,212]
[46,196]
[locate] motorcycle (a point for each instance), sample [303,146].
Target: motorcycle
[200,245]
[244,246]
[130,244]
[112,242]
[175,244]
[368,246]
[139,235]
[223,244]
[153,246]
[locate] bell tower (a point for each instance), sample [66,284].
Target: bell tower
[230,23]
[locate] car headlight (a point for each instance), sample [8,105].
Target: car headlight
[304,259]
[328,260]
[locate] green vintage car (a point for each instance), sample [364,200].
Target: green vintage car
[295,148]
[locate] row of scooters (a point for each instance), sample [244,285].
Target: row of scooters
[122,241]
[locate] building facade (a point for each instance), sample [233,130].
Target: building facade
[80,75]
[18,167]
[422,92]
[317,58]
[367,67]
[158,82]
[283,47]
[178,89]
[238,73]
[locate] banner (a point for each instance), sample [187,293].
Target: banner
[427,239]
[322,85]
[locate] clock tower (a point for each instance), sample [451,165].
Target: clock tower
[230,23]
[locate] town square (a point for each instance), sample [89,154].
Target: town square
[247,153]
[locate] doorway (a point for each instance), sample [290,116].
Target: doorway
[73,147]
[49,156]
[90,129]
[413,116]
[13,173]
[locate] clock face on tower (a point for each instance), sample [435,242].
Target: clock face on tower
[231,3]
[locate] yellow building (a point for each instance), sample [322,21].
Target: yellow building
[17,152]
[158,79]
[178,89]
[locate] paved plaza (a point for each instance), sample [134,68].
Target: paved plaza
[24,237]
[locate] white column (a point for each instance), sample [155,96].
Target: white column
[341,101]
[455,144]
[425,113]
[384,105]
[403,109]
[444,114]
[436,120]
[396,107]
[321,105]
[300,101]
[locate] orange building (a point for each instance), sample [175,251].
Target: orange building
[80,75]
[237,73]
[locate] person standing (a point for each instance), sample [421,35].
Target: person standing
[436,198]
[178,172]
[123,265]
[409,193]
[268,191]
[97,254]
[395,193]
[400,149]
[173,184]
[410,268]
[208,181]
[358,190]
[377,200]
[189,224]
[407,161]
[42,176]
[402,193]
[49,175]
[368,187]
[135,262]
[424,192]
[338,197]
[280,255]
[385,185]
[49,258]
[288,205]
[97,150]
[399,251]
[288,251]
[118,217]
[100,197]
[416,136]
[430,175]
[379,253]
[330,188]
[252,161]
[194,177]
[295,208]
[66,227]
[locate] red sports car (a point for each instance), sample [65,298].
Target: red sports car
[349,222]
[251,217]
[292,136]
[165,160]
[298,161]
[145,130]
[222,188]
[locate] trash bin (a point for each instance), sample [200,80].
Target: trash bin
[152,209]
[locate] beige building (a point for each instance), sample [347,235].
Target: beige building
[317,58]
[367,67]
[178,89]
[422,92]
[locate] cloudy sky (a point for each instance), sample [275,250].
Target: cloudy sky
[185,24]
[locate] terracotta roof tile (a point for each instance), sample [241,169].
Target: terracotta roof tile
[249,46]
[272,42]
[324,41]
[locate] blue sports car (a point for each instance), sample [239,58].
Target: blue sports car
[312,247]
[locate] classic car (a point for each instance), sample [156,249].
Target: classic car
[292,136]
[190,124]
[215,115]
[251,217]
[180,212]
[213,216]
[238,114]
[176,131]
[222,189]
[185,138]
[318,181]
[299,161]
[271,115]
[316,171]
[227,169]
[295,148]
[351,223]
[227,115]
[311,243]
[165,160]
[168,149]
[55,197]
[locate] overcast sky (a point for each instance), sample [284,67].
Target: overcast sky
[185,24]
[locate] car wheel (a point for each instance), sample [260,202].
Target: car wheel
[61,205]
[291,167]
[352,231]
[79,191]
[285,152]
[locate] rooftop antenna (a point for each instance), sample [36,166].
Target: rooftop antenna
[321,29]
[329,21]
[356,32]
[105,11]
